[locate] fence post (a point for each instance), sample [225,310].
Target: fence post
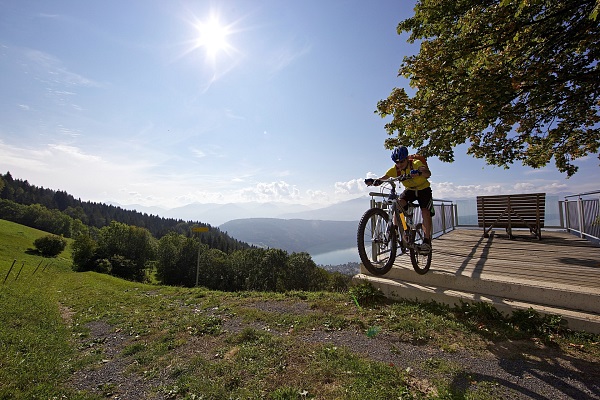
[37,267]
[11,267]
[22,265]
[46,266]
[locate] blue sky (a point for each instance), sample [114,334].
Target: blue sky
[123,101]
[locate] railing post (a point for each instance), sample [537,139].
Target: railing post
[454,216]
[580,215]
[443,218]
[567,216]
[561,213]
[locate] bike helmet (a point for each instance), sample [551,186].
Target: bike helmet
[399,154]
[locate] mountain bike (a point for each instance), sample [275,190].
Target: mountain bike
[384,230]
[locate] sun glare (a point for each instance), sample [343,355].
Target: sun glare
[212,37]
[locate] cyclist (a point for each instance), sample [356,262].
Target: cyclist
[416,188]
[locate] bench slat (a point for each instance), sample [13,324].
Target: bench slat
[512,211]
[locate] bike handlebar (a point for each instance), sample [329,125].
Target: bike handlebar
[391,181]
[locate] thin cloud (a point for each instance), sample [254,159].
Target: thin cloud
[295,49]
[75,153]
[56,72]
[198,153]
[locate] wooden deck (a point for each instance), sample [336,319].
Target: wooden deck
[558,258]
[559,274]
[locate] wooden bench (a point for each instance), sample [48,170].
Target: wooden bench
[512,211]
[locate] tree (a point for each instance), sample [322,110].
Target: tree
[516,80]
[298,273]
[50,245]
[177,257]
[244,265]
[215,271]
[128,248]
[84,253]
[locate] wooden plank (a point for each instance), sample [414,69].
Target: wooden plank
[559,258]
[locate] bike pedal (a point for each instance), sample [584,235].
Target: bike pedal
[425,249]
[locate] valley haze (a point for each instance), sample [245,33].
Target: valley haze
[218,214]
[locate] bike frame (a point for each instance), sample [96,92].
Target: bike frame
[403,221]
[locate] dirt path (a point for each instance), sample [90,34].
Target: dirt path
[512,370]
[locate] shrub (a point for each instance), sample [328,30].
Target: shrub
[50,245]
[365,294]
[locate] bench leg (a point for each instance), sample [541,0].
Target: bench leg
[509,232]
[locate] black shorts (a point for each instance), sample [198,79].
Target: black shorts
[424,197]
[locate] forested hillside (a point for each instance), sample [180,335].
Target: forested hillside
[58,212]
[132,245]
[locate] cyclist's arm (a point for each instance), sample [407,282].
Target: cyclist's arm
[423,169]
[425,172]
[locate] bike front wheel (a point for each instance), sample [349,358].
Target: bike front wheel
[376,240]
[421,261]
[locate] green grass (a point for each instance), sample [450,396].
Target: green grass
[186,338]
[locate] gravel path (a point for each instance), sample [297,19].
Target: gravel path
[534,374]
[513,370]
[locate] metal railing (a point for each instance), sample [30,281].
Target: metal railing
[446,217]
[582,215]
[445,214]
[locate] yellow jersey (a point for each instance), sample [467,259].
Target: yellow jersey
[417,182]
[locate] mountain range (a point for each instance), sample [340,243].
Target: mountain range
[290,227]
[218,214]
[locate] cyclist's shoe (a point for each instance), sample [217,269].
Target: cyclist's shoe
[425,248]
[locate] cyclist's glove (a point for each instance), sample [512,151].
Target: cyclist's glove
[372,182]
[415,172]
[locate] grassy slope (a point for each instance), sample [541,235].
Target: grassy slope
[188,336]
[34,343]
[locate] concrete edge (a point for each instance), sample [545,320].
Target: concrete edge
[554,295]
[577,320]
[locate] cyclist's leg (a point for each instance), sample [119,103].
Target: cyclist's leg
[406,197]
[425,199]
[403,199]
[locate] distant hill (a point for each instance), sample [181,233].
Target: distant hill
[218,214]
[294,235]
[350,210]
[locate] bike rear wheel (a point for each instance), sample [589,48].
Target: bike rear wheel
[420,261]
[376,240]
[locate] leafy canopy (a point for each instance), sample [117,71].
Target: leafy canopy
[515,80]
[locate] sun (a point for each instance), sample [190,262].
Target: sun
[213,36]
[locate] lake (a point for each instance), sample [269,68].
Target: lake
[337,257]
